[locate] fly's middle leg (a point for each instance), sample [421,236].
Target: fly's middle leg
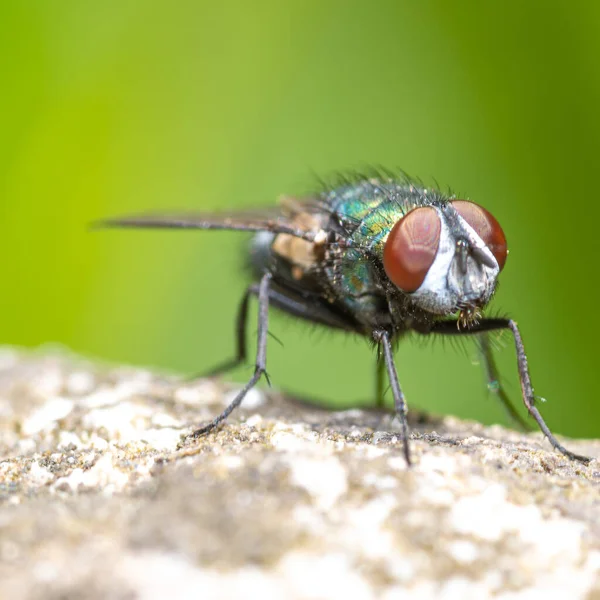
[385,344]
[380,381]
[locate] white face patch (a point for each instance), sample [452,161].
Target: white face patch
[442,291]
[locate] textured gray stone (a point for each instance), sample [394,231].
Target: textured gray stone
[99,498]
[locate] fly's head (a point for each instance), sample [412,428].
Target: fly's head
[446,257]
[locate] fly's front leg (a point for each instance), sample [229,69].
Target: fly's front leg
[450,328]
[261,357]
[383,339]
[493,381]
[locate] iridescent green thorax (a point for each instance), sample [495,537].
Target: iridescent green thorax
[370,208]
[367,211]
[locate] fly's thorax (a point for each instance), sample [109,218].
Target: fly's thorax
[446,257]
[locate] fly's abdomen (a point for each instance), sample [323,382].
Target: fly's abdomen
[260,252]
[294,262]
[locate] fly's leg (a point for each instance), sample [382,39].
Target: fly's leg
[493,381]
[315,314]
[383,339]
[450,328]
[261,357]
[240,333]
[379,381]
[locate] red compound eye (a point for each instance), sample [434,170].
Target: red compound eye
[411,247]
[485,226]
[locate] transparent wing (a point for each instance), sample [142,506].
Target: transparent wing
[292,216]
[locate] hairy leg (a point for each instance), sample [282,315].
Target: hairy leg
[451,328]
[379,381]
[493,381]
[261,357]
[383,339]
[240,335]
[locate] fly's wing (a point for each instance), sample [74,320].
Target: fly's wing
[289,217]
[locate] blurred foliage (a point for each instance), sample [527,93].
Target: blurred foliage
[113,107]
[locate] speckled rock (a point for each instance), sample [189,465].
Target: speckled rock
[101,498]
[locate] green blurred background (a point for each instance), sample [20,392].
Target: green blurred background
[113,107]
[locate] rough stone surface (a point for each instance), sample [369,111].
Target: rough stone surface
[99,497]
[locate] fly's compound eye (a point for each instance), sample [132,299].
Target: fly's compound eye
[411,248]
[485,226]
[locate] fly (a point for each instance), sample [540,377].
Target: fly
[377,256]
